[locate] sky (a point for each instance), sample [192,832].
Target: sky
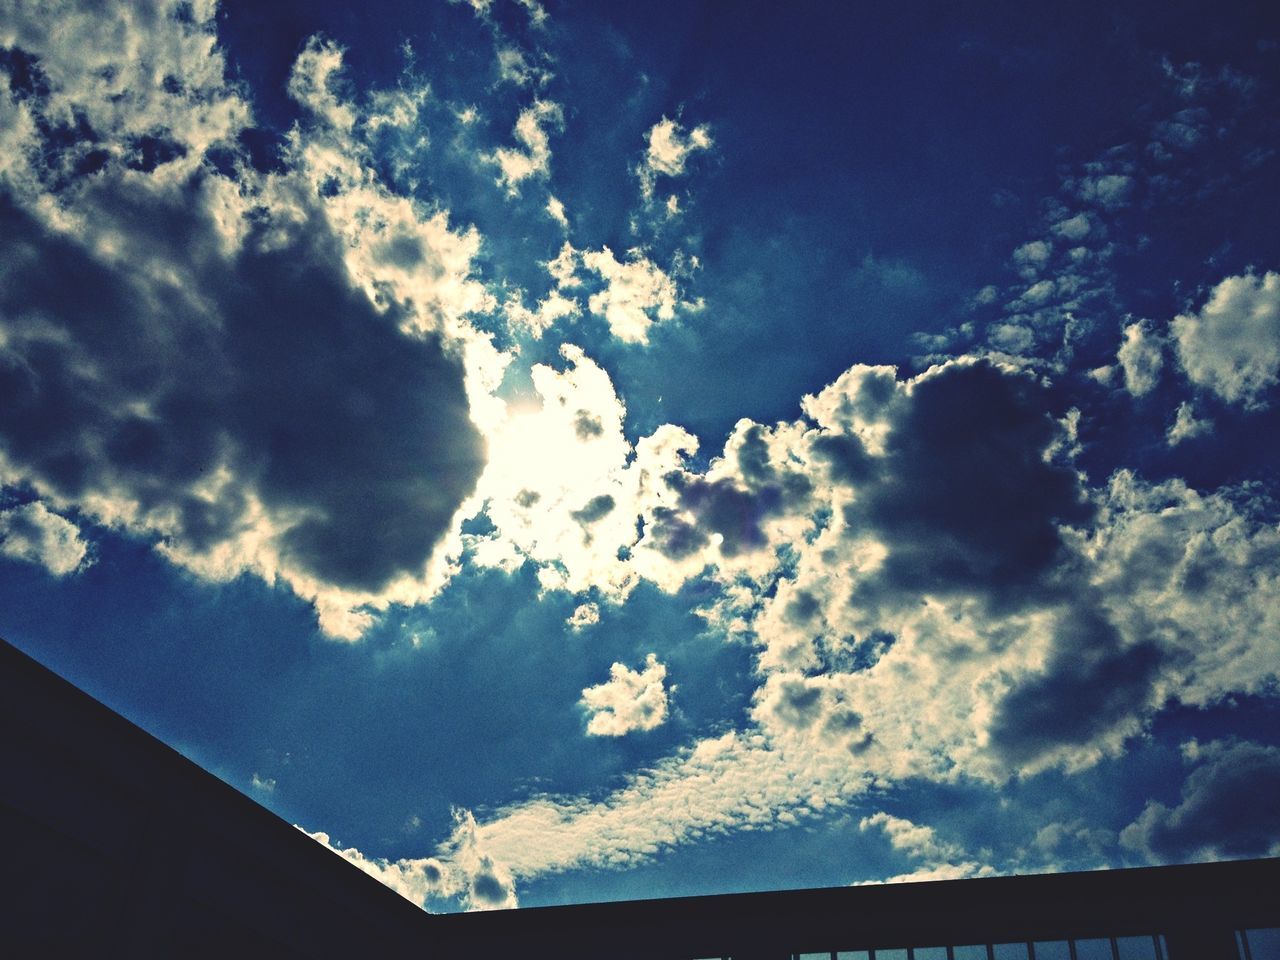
[562,452]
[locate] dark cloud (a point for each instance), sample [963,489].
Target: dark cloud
[798,705]
[140,380]
[587,426]
[673,536]
[488,890]
[723,507]
[802,608]
[847,459]
[595,509]
[1090,685]
[753,456]
[1228,809]
[964,497]
[736,511]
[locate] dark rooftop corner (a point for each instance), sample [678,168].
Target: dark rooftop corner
[116,844]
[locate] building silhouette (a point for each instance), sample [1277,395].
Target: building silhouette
[116,845]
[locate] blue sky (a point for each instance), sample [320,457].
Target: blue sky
[567,452]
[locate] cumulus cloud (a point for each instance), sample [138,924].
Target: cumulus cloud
[1186,425]
[637,293]
[1032,256]
[1231,346]
[417,880]
[584,615]
[1141,357]
[1074,228]
[312,81]
[1227,808]
[942,860]
[667,151]
[933,593]
[558,487]
[268,373]
[1093,689]
[916,840]
[34,533]
[462,873]
[1107,190]
[533,157]
[629,700]
[262,784]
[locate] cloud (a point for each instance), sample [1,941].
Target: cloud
[140,77]
[584,615]
[1093,688]
[1198,575]
[1107,190]
[667,151]
[418,880]
[964,495]
[1073,228]
[1231,346]
[1186,425]
[263,784]
[514,67]
[558,488]
[1227,807]
[722,784]
[1141,356]
[637,293]
[932,592]
[266,373]
[916,840]
[314,74]
[533,161]
[555,210]
[35,534]
[629,700]
[462,874]
[537,13]
[1032,256]
[942,861]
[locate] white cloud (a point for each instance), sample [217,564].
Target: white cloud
[637,293]
[1141,356]
[933,872]
[629,700]
[262,784]
[537,13]
[33,533]
[915,840]
[584,615]
[1232,345]
[1032,256]
[1108,190]
[1196,574]
[555,210]
[514,67]
[555,306]
[668,150]
[518,165]
[462,871]
[1186,425]
[131,70]
[920,678]
[479,7]
[1073,228]
[417,880]
[557,487]
[318,66]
